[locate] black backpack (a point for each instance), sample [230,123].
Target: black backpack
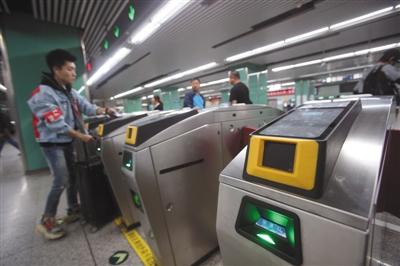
[376,83]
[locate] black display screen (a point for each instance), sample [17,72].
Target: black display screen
[304,123]
[279,155]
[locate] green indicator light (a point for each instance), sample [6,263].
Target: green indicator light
[127,161]
[136,200]
[277,217]
[266,238]
[131,13]
[98,149]
[116,31]
[106,45]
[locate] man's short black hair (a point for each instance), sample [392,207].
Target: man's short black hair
[389,54]
[58,57]
[235,74]
[193,79]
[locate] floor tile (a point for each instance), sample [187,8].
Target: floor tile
[20,258]
[115,241]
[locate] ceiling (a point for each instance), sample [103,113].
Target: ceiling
[198,34]
[95,17]
[187,40]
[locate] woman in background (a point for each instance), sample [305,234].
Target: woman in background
[157,103]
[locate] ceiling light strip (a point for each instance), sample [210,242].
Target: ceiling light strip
[214,82]
[137,89]
[335,71]
[181,75]
[362,19]
[337,57]
[167,11]
[318,32]
[163,80]
[109,64]
[307,35]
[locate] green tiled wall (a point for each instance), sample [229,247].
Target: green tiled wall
[132,105]
[27,42]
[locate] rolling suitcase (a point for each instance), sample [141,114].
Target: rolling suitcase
[98,205]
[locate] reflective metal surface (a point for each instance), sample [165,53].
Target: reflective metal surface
[351,188]
[337,223]
[176,173]
[189,194]
[324,242]
[111,153]
[111,149]
[215,115]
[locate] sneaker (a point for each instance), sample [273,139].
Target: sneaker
[73,215]
[50,229]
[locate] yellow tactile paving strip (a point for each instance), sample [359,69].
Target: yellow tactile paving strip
[138,244]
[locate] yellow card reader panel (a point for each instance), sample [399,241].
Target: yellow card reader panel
[287,161]
[131,134]
[100,130]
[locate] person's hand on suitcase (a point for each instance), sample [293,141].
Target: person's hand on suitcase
[82,137]
[87,138]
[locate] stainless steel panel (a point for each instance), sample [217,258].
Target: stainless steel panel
[324,242]
[348,196]
[213,115]
[152,221]
[180,203]
[308,205]
[336,139]
[189,194]
[239,112]
[111,153]
[353,183]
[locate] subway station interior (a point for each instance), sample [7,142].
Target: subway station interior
[200,132]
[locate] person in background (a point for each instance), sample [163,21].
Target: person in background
[57,120]
[239,91]
[6,131]
[194,99]
[382,78]
[157,103]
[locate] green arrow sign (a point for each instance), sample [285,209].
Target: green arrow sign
[131,13]
[118,257]
[106,45]
[116,31]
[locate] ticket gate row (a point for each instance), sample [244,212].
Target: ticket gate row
[99,176]
[304,191]
[111,139]
[172,162]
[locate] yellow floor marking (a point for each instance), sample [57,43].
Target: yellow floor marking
[138,244]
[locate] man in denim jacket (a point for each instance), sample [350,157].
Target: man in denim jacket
[57,120]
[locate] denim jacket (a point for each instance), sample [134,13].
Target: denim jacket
[52,112]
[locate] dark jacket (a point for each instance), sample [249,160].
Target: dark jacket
[188,102]
[6,127]
[159,107]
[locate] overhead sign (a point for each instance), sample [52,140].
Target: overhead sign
[288,91]
[118,257]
